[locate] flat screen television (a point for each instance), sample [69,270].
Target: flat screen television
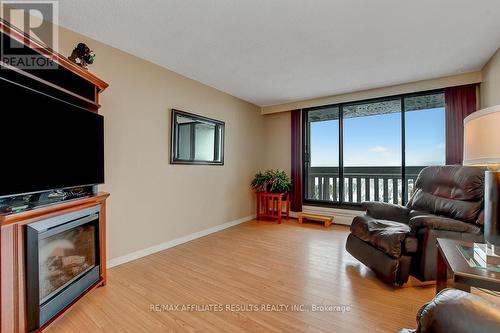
[47,143]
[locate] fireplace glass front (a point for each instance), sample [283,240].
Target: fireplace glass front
[63,257]
[62,262]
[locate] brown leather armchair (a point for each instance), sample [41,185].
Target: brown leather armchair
[396,241]
[456,311]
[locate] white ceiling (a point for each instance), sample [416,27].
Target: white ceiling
[276,51]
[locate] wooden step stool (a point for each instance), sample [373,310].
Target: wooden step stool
[327,220]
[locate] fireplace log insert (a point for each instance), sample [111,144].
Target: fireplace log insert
[62,262]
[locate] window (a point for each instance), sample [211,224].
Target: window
[372,150]
[323,169]
[354,151]
[424,135]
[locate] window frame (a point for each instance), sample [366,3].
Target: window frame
[306,147]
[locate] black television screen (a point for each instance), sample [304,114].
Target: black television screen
[47,144]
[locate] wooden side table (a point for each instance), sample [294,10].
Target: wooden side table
[464,276]
[270,205]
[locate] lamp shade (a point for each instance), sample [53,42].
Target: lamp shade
[482,137]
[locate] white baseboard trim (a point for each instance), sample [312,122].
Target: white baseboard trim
[340,216]
[174,242]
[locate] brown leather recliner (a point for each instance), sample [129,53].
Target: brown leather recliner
[396,241]
[456,311]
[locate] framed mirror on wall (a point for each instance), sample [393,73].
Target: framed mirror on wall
[196,139]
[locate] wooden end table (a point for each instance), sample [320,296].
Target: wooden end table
[464,276]
[270,205]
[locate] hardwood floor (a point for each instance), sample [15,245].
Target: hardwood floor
[252,263]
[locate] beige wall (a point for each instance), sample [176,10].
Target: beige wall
[277,138]
[152,201]
[490,87]
[438,83]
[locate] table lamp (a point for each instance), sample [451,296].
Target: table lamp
[482,147]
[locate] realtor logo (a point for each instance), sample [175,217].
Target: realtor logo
[39,20]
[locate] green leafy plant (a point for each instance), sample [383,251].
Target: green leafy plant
[271,181]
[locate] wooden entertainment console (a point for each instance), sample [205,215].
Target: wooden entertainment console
[13,256]
[70,83]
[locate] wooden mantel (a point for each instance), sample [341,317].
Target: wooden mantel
[48,211]
[12,257]
[68,81]
[18,35]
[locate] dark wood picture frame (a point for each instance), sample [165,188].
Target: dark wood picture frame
[174,144]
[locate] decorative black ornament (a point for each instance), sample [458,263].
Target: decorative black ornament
[82,55]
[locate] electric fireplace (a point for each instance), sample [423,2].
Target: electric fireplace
[62,262]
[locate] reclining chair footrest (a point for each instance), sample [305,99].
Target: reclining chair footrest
[389,269]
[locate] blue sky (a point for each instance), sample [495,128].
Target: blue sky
[376,140]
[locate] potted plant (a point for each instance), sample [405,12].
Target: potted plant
[271,181]
[272,188]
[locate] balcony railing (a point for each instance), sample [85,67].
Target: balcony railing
[361,184]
